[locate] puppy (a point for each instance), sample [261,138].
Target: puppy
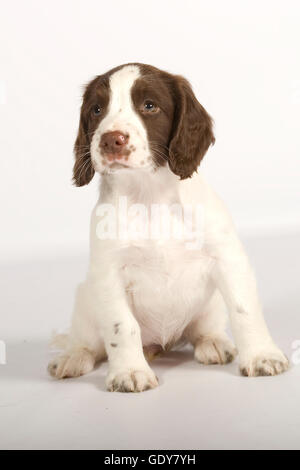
[166,264]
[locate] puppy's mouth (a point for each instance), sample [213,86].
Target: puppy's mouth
[118,165]
[113,161]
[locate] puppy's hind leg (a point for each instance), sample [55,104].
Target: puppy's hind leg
[208,336]
[82,347]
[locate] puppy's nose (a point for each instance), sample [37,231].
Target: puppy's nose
[113,143]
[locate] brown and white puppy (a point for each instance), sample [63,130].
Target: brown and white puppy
[144,131]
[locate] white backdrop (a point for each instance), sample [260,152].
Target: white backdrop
[242,58]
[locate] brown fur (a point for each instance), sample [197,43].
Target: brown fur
[192,131]
[96,92]
[155,84]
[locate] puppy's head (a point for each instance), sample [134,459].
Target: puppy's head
[139,117]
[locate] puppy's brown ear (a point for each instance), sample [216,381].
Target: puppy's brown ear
[192,132]
[83,170]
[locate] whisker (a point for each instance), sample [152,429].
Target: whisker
[84,167]
[82,155]
[160,155]
[153,142]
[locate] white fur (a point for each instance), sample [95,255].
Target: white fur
[156,293]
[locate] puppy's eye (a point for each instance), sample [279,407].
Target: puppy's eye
[149,106]
[96,109]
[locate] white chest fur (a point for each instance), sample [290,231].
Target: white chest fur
[166,282]
[166,287]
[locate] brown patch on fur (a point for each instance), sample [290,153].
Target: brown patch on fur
[192,131]
[180,130]
[153,85]
[96,92]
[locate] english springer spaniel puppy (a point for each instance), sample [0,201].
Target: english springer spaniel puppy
[166,264]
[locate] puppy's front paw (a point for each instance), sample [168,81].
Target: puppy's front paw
[71,364]
[219,350]
[268,363]
[130,380]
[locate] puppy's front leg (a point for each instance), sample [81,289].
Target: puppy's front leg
[259,355]
[128,368]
